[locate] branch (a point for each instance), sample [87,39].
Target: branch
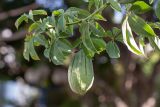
[17,12]
[16,36]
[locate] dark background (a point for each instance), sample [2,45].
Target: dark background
[129,81]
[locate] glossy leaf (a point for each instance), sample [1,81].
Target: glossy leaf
[129,39]
[140,27]
[80,73]
[140,7]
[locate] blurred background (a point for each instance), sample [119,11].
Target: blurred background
[130,81]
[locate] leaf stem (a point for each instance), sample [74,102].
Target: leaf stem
[87,18]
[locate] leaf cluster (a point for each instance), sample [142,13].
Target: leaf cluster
[53,32]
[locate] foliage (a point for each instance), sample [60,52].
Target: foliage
[53,32]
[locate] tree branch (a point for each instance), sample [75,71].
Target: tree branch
[16,36]
[17,12]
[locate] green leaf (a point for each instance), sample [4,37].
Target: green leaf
[97,29]
[140,7]
[126,1]
[99,44]
[96,3]
[59,50]
[155,25]
[29,48]
[33,26]
[151,1]
[77,42]
[26,51]
[46,53]
[91,45]
[113,50]
[86,39]
[116,31]
[33,53]
[140,27]
[52,21]
[157,9]
[141,45]
[115,34]
[39,12]
[89,53]
[91,3]
[115,5]
[70,27]
[57,12]
[155,43]
[62,23]
[20,20]
[41,40]
[129,39]
[30,15]
[80,73]
[80,13]
[99,17]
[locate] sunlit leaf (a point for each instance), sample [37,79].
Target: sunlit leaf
[140,7]
[33,26]
[39,12]
[129,39]
[20,20]
[140,27]
[99,17]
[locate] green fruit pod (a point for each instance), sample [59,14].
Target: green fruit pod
[80,73]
